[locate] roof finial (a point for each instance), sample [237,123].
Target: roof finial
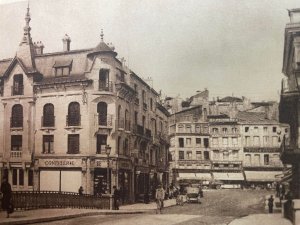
[101,35]
[27,36]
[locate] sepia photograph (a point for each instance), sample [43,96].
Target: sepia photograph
[165,112]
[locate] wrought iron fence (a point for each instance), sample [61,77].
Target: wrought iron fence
[25,200]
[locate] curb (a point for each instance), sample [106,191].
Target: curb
[55,218]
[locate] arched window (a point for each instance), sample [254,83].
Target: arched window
[17,116]
[127,121]
[18,87]
[48,116]
[102,113]
[120,118]
[73,118]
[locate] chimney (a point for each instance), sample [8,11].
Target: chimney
[39,48]
[66,43]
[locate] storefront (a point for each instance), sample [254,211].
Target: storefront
[60,174]
[262,178]
[125,180]
[102,180]
[230,179]
[142,183]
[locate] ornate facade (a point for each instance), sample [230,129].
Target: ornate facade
[79,118]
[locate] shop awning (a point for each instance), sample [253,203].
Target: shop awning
[194,176]
[228,176]
[263,176]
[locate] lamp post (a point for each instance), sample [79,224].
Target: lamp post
[107,151]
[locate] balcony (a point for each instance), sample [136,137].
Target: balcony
[105,120]
[16,154]
[106,86]
[17,90]
[72,121]
[48,121]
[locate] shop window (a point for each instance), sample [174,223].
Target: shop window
[102,113]
[181,142]
[18,87]
[17,116]
[101,143]
[30,177]
[48,143]
[73,144]
[266,159]
[74,117]
[16,142]
[206,155]
[206,142]
[48,119]
[104,80]
[181,155]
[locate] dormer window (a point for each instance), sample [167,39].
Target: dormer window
[18,87]
[62,67]
[104,80]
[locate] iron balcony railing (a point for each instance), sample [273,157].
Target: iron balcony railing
[106,86]
[24,200]
[48,121]
[73,120]
[17,90]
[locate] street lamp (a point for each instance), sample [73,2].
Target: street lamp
[107,151]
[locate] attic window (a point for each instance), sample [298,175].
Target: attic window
[62,67]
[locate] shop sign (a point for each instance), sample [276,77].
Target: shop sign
[142,169]
[124,165]
[101,163]
[59,163]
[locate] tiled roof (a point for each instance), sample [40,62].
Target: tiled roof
[254,118]
[4,64]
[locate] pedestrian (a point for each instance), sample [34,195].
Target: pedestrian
[6,196]
[270,204]
[80,190]
[159,196]
[116,198]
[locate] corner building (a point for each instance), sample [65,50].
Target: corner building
[61,112]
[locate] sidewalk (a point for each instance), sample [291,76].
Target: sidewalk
[47,215]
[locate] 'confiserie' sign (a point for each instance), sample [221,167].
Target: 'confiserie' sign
[59,163]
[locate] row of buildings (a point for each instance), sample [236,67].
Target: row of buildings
[82,118]
[79,118]
[231,140]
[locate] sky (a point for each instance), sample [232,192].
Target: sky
[230,47]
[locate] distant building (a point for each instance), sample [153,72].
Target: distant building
[261,140]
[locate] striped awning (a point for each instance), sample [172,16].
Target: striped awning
[263,176]
[228,176]
[194,176]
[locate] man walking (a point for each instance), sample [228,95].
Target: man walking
[159,196]
[116,198]
[270,204]
[6,199]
